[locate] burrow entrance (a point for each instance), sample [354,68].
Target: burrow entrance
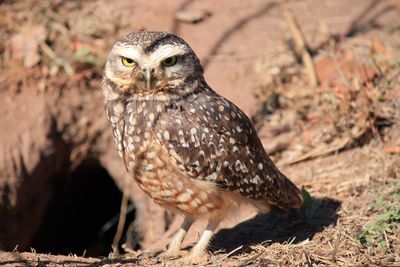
[83,216]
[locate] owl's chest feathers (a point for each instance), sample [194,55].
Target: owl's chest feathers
[140,117]
[134,130]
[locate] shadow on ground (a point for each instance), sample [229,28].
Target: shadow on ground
[271,228]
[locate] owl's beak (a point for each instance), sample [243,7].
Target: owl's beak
[148,76]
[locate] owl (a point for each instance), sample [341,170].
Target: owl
[189,149]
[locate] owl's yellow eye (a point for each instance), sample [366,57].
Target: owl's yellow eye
[169,62]
[128,62]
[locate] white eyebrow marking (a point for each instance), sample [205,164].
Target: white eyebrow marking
[166,51]
[129,51]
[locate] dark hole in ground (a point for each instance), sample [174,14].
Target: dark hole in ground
[83,216]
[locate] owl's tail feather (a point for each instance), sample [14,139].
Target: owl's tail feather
[295,199]
[289,196]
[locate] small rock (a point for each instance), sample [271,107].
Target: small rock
[274,71]
[191,16]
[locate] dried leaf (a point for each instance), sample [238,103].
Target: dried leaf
[25,44]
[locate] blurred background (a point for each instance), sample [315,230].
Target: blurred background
[320,80]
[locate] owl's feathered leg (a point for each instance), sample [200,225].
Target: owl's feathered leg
[174,247]
[200,249]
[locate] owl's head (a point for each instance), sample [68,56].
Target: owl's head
[149,62]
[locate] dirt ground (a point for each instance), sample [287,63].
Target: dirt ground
[339,140]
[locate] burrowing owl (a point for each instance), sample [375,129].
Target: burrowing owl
[190,149]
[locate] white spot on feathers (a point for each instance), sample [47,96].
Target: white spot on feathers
[166,135]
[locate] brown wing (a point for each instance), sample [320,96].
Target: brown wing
[212,139]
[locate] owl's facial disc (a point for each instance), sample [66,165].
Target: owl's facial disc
[148,70]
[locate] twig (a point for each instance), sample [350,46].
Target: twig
[343,78]
[307,258]
[301,46]
[386,239]
[245,262]
[121,222]
[230,253]
[336,248]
